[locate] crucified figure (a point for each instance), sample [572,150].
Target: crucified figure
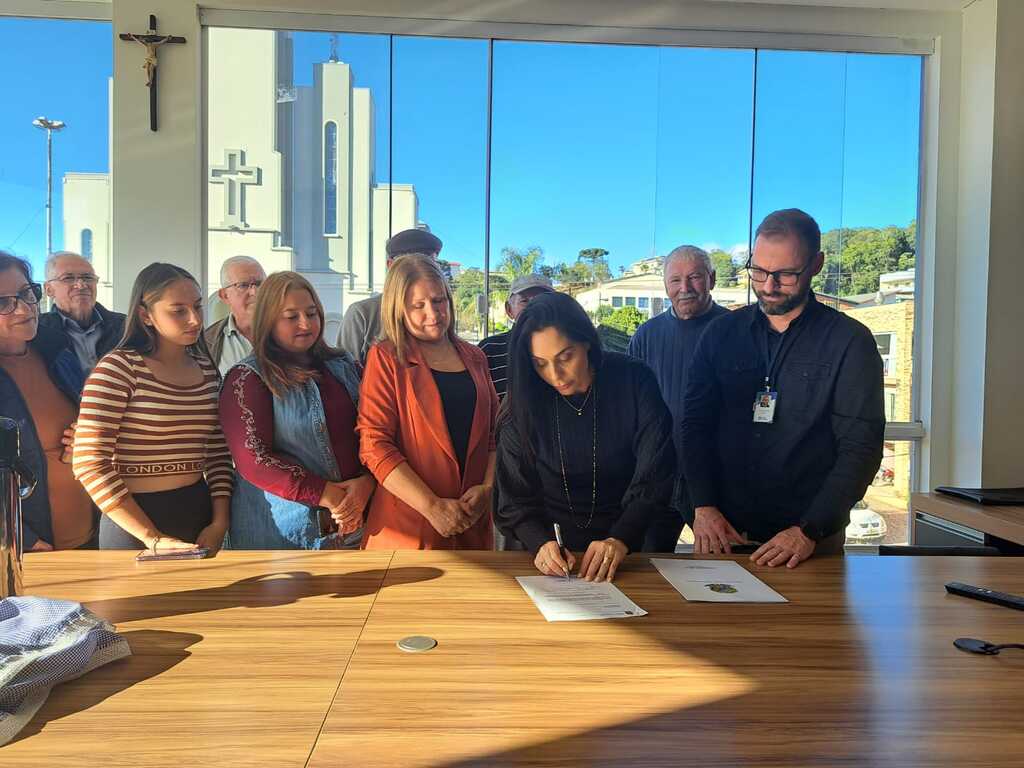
[149,65]
[151,41]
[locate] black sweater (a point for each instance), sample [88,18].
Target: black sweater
[814,462]
[636,462]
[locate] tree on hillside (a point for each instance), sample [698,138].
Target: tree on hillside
[516,263]
[446,270]
[725,268]
[598,261]
[856,257]
[591,267]
[469,285]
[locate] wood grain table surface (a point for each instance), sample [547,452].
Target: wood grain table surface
[1006,522]
[290,659]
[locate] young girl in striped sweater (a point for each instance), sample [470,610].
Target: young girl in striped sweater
[148,447]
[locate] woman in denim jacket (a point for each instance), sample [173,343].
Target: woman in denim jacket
[289,413]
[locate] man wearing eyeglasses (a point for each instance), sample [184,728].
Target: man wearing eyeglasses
[783,417]
[93,329]
[230,339]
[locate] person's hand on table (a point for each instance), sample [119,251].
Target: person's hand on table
[791,546]
[41,546]
[550,562]
[712,533]
[211,537]
[449,516]
[602,559]
[158,543]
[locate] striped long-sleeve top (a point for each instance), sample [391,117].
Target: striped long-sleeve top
[133,425]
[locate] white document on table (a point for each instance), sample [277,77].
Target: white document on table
[575,599]
[715,581]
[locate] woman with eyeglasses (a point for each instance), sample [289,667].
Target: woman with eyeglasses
[149,446]
[40,385]
[584,440]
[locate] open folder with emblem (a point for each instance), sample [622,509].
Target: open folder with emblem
[715,581]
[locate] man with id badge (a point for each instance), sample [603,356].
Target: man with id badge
[783,419]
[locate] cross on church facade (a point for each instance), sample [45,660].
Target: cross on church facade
[151,40]
[235,175]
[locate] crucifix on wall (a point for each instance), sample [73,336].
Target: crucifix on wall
[151,40]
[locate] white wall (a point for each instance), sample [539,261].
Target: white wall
[242,116]
[86,199]
[333,82]
[159,189]
[975,188]
[362,185]
[1002,455]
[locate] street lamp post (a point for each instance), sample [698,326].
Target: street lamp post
[49,126]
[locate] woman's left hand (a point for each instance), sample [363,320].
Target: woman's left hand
[349,513]
[602,559]
[478,497]
[212,537]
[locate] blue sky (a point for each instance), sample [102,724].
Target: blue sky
[630,148]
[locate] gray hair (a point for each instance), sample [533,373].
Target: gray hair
[689,252]
[50,269]
[228,263]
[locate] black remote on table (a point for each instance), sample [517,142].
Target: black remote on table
[988,595]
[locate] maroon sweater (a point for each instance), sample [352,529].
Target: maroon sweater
[247,418]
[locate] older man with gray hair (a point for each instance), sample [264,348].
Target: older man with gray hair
[93,329]
[666,343]
[230,339]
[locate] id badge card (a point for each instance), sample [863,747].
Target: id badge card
[764,406]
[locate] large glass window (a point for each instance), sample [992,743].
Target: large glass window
[71,104]
[439,160]
[601,159]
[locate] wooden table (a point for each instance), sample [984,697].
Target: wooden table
[1003,522]
[289,659]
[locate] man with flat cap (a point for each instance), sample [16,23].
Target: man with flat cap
[360,328]
[523,289]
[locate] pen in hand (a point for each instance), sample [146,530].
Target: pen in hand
[561,548]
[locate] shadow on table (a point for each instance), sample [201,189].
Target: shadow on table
[265,591]
[154,652]
[821,687]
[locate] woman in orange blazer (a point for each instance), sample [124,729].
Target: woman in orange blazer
[427,410]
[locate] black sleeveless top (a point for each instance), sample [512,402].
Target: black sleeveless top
[458,397]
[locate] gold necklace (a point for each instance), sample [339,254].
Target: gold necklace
[561,460]
[579,411]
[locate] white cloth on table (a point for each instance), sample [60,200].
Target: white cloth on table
[45,642]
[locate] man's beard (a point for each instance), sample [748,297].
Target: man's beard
[783,307]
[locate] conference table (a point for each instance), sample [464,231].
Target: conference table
[290,659]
